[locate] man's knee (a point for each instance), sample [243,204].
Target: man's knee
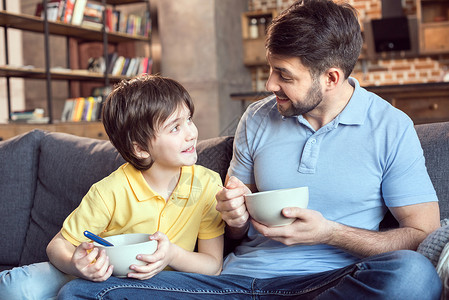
[413,277]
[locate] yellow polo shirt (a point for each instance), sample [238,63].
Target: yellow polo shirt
[123,202]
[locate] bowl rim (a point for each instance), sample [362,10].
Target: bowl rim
[127,245]
[279,190]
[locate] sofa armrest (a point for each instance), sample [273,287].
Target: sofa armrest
[434,243]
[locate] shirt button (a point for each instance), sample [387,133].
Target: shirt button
[312,141]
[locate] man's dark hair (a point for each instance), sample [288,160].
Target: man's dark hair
[323,34]
[136,109]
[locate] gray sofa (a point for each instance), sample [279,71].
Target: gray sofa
[43,177]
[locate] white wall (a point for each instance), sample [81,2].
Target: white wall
[15,58]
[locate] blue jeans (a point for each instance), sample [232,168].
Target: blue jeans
[37,281]
[394,275]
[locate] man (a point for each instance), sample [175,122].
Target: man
[359,156]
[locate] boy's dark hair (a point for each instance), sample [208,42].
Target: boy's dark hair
[135,110]
[321,33]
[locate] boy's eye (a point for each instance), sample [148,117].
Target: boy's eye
[175,129]
[189,120]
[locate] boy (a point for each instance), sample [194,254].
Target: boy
[159,190]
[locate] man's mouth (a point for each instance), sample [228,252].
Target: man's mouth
[282,99]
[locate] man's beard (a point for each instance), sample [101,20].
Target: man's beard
[313,97]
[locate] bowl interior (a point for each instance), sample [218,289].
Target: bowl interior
[128,239]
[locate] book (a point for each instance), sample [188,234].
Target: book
[78,12]
[90,106]
[79,107]
[82,109]
[93,12]
[118,66]
[132,63]
[61,11]
[53,9]
[112,57]
[92,25]
[67,110]
[125,66]
[109,19]
[69,4]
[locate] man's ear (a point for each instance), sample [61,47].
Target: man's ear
[334,77]
[140,152]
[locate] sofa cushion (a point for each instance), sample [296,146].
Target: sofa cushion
[68,166]
[215,154]
[434,139]
[18,172]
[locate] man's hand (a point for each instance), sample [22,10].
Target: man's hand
[231,204]
[91,263]
[309,228]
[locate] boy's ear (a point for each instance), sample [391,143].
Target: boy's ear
[139,152]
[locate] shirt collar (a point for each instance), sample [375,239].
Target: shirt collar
[144,192]
[356,110]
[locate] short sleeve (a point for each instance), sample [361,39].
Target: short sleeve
[92,214]
[405,180]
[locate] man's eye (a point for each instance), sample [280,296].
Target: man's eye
[175,129]
[284,78]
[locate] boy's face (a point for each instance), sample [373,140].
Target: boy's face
[175,142]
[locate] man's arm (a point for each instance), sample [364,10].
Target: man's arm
[415,223]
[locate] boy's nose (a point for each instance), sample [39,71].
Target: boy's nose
[192,132]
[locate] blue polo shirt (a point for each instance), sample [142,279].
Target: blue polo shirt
[367,159]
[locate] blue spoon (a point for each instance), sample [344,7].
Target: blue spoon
[97,239]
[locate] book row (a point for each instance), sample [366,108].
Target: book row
[90,14]
[120,65]
[82,109]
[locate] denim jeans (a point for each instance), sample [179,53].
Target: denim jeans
[395,275]
[37,281]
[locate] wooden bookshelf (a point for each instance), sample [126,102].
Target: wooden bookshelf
[79,33]
[56,74]
[36,24]
[86,129]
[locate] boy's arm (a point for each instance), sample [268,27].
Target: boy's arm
[78,261]
[208,260]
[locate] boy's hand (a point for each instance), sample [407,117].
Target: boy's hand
[91,263]
[157,261]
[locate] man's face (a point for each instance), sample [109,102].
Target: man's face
[297,92]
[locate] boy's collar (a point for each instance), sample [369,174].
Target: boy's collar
[144,192]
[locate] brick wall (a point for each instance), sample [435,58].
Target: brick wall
[372,72]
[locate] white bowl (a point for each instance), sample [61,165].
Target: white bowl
[126,247]
[266,207]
